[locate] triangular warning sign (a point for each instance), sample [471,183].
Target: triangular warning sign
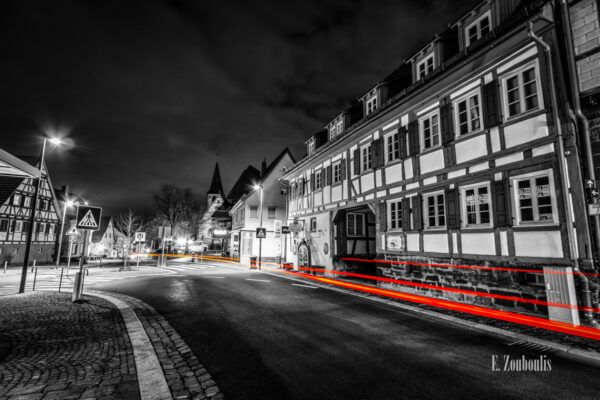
[88,221]
[72,231]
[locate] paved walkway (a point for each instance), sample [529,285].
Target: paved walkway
[51,349]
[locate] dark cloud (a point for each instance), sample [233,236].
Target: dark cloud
[153,91]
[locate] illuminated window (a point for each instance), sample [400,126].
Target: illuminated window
[434,211]
[476,205]
[425,66]
[468,114]
[340,127]
[430,132]
[355,224]
[478,28]
[16,199]
[371,105]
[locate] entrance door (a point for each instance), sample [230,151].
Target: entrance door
[560,289]
[303,255]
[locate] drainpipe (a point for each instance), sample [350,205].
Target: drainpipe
[585,284]
[584,124]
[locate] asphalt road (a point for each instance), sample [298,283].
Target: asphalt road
[266,337]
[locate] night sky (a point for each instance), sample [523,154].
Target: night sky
[152,91]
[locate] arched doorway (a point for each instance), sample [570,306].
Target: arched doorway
[303,255]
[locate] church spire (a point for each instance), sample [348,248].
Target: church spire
[215,185]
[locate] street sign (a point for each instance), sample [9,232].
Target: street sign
[296,227]
[164,231]
[594,209]
[277,228]
[261,233]
[285,230]
[72,231]
[88,217]
[140,236]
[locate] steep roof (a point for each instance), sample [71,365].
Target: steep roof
[97,235]
[244,184]
[216,187]
[273,164]
[8,184]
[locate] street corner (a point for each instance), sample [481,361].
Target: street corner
[52,348]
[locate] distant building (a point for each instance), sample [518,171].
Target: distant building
[246,211]
[16,196]
[74,247]
[106,240]
[215,222]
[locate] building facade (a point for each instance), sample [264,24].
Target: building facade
[246,212]
[466,154]
[16,196]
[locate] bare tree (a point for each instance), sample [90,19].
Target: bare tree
[177,208]
[128,223]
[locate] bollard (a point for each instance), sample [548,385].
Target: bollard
[62,270]
[5,264]
[77,287]
[34,277]
[33,266]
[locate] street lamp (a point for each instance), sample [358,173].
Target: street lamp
[68,203]
[260,212]
[56,142]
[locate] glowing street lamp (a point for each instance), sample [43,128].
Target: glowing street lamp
[56,142]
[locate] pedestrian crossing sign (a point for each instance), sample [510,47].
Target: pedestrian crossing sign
[72,231]
[88,217]
[261,233]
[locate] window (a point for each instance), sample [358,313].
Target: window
[44,205]
[18,226]
[478,29]
[318,180]
[271,212]
[476,205]
[16,199]
[395,214]
[313,224]
[27,201]
[393,147]
[430,132]
[41,228]
[365,157]
[355,224]
[435,211]
[521,91]
[340,127]
[468,114]
[371,105]
[332,132]
[337,173]
[311,146]
[535,199]
[253,211]
[3,225]
[425,66]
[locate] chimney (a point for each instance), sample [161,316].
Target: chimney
[263,167]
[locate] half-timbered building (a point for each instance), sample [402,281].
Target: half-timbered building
[16,195]
[466,155]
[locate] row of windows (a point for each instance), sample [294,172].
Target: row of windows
[533,197]
[18,226]
[331,175]
[271,212]
[20,200]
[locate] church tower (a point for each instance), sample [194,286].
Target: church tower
[215,191]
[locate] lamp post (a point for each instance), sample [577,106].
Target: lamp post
[260,212]
[33,209]
[68,203]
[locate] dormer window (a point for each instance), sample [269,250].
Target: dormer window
[340,127]
[311,146]
[478,28]
[425,66]
[371,105]
[332,132]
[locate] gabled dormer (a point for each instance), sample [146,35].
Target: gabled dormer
[371,101]
[336,127]
[431,57]
[315,141]
[476,24]
[340,124]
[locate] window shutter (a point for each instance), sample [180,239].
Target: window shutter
[312,182]
[323,176]
[377,152]
[402,141]
[416,213]
[406,214]
[413,138]
[357,162]
[501,206]
[343,169]
[452,208]
[447,127]
[382,217]
[490,104]
[328,179]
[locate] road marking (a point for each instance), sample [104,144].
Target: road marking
[214,277]
[258,280]
[307,286]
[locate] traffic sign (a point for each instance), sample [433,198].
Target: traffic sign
[285,230]
[594,208]
[261,233]
[297,227]
[72,231]
[140,236]
[164,231]
[277,228]
[88,217]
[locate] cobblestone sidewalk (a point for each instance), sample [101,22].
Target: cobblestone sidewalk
[53,349]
